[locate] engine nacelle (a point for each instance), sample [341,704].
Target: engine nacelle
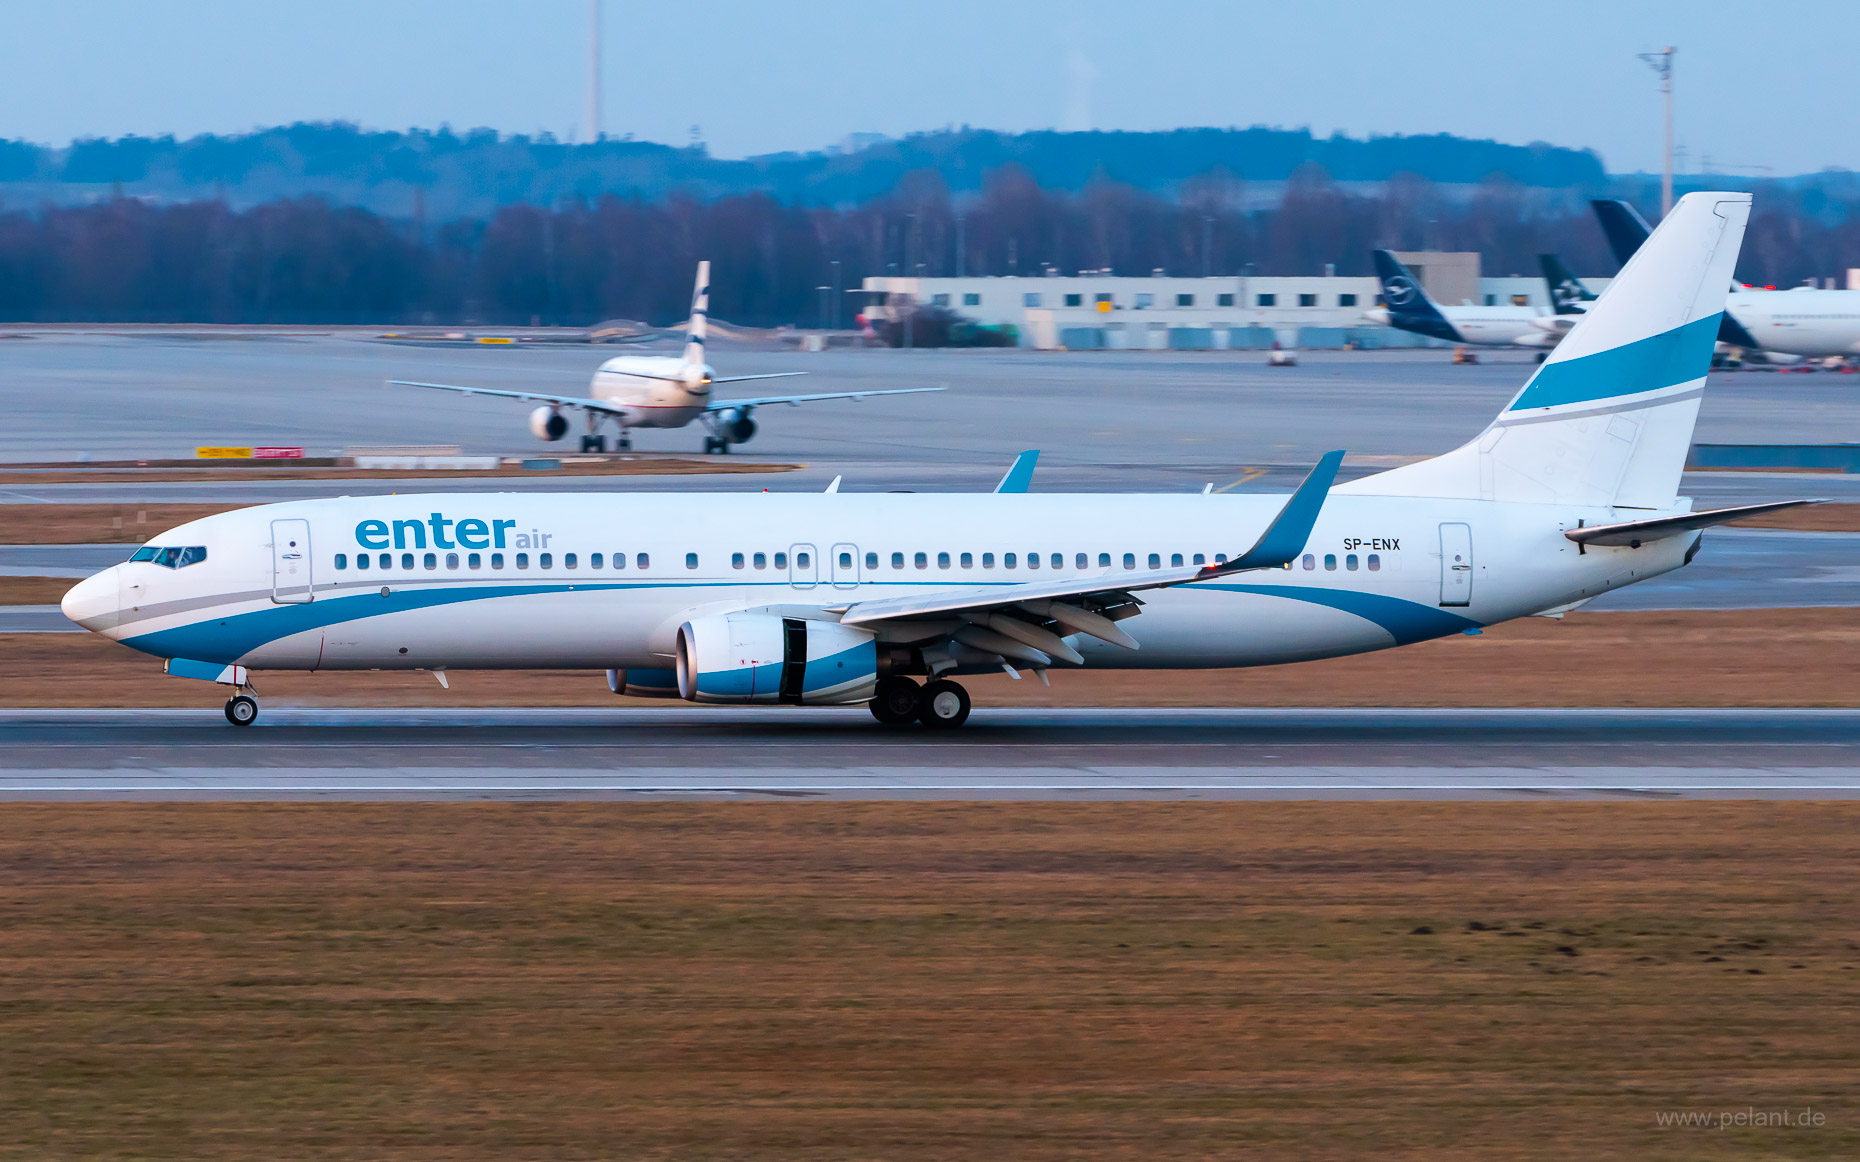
[739,426]
[548,424]
[644,683]
[762,657]
[1540,339]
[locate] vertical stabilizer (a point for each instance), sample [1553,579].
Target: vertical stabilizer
[1607,418]
[700,314]
[1409,308]
[1567,294]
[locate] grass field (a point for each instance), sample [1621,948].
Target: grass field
[927,981]
[1759,657]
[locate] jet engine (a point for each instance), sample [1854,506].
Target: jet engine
[1541,339]
[763,657]
[643,683]
[740,427]
[548,424]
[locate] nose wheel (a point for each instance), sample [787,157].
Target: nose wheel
[242,710]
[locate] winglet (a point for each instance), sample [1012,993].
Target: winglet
[1285,537]
[1019,478]
[835,486]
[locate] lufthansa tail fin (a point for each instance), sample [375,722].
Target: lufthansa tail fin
[1607,419]
[1567,294]
[700,314]
[1623,225]
[1408,305]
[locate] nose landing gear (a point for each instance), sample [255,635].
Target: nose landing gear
[242,710]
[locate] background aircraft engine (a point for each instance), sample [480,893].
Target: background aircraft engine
[740,426]
[761,657]
[548,424]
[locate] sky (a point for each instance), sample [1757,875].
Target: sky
[1757,85]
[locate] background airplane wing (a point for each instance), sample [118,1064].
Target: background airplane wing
[573,401]
[764,401]
[745,378]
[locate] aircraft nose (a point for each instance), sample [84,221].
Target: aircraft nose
[92,602]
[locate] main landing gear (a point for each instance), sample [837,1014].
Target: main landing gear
[242,710]
[716,444]
[942,704]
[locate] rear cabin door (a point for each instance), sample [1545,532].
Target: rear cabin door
[803,566]
[290,562]
[1456,564]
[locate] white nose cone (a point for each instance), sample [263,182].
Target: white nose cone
[92,602]
[1379,315]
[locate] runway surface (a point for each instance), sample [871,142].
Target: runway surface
[776,753]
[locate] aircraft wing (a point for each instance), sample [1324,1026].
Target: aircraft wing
[573,401]
[1281,543]
[719,405]
[746,378]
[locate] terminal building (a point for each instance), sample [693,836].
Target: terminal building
[1090,311]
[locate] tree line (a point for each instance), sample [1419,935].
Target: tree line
[583,260]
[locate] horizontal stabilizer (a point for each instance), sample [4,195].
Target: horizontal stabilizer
[1635,533]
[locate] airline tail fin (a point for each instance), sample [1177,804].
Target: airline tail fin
[1408,305]
[700,314]
[1622,223]
[1607,419]
[1567,294]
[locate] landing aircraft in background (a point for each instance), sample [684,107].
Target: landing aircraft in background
[885,599]
[1408,308]
[1800,322]
[659,391]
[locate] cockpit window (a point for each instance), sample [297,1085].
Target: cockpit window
[173,557]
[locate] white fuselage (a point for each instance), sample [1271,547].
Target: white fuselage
[1812,323]
[652,391]
[603,581]
[1486,326]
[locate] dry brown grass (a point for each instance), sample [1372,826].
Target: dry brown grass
[34,590]
[1763,657]
[926,981]
[1817,518]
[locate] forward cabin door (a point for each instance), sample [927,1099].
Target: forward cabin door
[803,566]
[1456,564]
[290,562]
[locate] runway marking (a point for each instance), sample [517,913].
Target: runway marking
[1247,476]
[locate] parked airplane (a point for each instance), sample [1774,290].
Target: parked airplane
[1802,322]
[836,598]
[659,391]
[1408,308]
[1569,299]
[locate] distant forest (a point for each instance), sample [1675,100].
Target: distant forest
[308,260]
[443,175]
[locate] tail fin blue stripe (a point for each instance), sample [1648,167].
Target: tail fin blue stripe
[1680,355]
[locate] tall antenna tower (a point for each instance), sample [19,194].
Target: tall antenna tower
[1662,63]
[594,70]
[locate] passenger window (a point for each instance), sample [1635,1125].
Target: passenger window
[846,560]
[523,560]
[691,560]
[968,560]
[1082,561]
[1007,560]
[361,560]
[760,560]
[736,560]
[497,560]
[546,560]
[897,560]
[871,560]
[642,561]
[1033,560]
[1155,560]
[1220,558]
[595,560]
[406,562]
[342,560]
[1104,560]
[921,560]
[452,560]
[1349,562]
[781,560]
[1175,560]
[619,560]
[1059,560]
[1330,562]
[1375,563]
[475,561]
[801,560]
[1310,561]
[1130,560]
[568,560]
[1200,560]
[988,560]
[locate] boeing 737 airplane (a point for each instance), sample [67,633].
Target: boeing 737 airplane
[658,391]
[1802,322]
[1407,308]
[885,599]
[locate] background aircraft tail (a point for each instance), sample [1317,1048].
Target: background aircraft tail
[1408,305]
[700,313]
[1567,294]
[1607,418]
